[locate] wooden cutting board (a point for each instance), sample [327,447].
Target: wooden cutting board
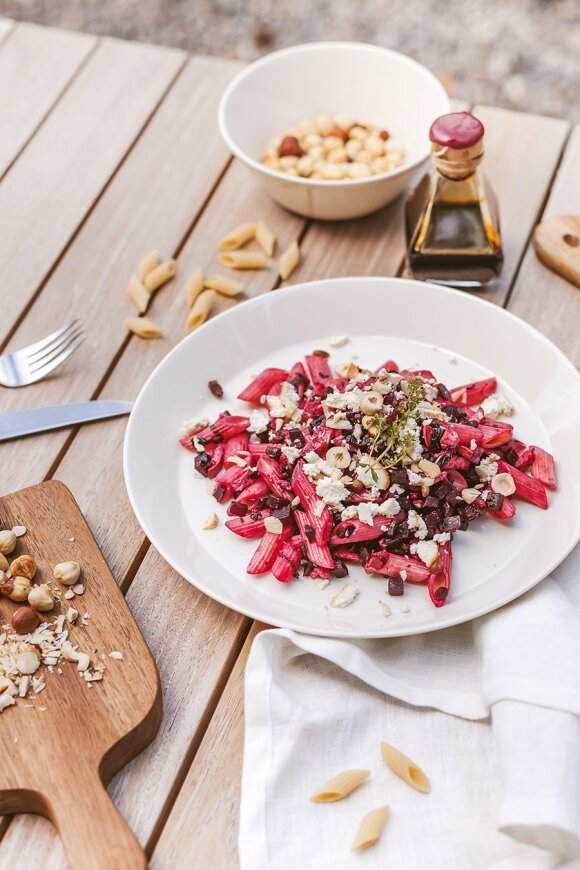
[557,244]
[56,761]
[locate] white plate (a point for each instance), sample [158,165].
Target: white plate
[460,338]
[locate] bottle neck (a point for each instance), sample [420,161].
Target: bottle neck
[457,164]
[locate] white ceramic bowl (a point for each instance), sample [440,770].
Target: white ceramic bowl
[326,78]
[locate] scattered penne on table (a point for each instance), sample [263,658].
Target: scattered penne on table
[193,287]
[138,294]
[238,237]
[225,286]
[149,262]
[200,310]
[143,327]
[405,769]
[162,273]
[371,828]
[243,260]
[289,260]
[340,786]
[265,238]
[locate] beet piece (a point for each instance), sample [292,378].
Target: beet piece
[308,568]
[396,586]
[273,452]
[219,492]
[339,570]
[431,502]
[282,513]
[510,455]
[216,389]
[202,462]
[451,524]
[364,553]
[237,509]
[309,532]
[400,477]
[274,502]
[297,437]
[432,519]
[441,490]
[443,391]
[494,501]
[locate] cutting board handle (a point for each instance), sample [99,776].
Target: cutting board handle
[94,834]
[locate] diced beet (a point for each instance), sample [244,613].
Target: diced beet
[282,513]
[273,452]
[216,389]
[396,586]
[202,462]
[451,524]
[237,509]
[220,493]
[494,500]
[340,570]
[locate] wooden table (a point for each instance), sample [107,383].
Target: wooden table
[108,149]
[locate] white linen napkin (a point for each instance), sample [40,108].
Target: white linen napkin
[490,710]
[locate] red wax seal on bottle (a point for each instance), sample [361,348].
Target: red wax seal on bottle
[457,130]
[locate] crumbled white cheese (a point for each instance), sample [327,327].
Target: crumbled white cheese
[291,454]
[190,427]
[473,444]
[332,492]
[389,508]
[211,521]
[258,421]
[385,608]
[442,538]
[338,340]
[403,574]
[395,489]
[345,596]
[496,405]
[428,552]
[339,421]
[487,468]
[416,523]
[349,513]
[404,607]
[366,511]
[414,478]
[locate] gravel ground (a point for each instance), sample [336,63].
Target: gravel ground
[521,54]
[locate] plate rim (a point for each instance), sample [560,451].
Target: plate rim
[397,631]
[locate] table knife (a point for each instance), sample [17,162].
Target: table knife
[17,423]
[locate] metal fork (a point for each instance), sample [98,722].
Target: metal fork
[23,367]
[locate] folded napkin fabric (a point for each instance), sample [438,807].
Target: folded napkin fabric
[490,710]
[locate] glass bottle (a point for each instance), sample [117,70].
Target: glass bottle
[452,216]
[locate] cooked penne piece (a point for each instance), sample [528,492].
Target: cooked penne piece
[265,238]
[238,237]
[149,262]
[193,287]
[200,310]
[223,285]
[243,260]
[340,786]
[143,327]
[289,260]
[371,828]
[163,273]
[404,768]
[138,294]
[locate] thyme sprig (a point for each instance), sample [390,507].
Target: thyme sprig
[394,442]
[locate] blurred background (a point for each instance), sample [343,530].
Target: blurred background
[521,54]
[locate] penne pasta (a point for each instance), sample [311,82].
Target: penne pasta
[162,273]
[265,238]
[289,260]
[138,294]
[371,828]
[200,310]
[404,768]
[238,237]
[149,262]
[223,285]
[340,786]
[243,260]
[143,327]
[193,287]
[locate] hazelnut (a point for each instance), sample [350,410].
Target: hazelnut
[371,402]
[3,562]
[24,566]
[25,620]
[7,541]
[290,147]
[41,598]
[67,573]
[503,484]
[17,588]
[340,134]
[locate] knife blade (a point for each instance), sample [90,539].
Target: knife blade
[17,423]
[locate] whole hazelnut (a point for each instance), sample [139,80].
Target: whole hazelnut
[24,566]
[25,620]
[290,147]
[3,562]
[7,541]
[41,598]
[67,573]
[16,588]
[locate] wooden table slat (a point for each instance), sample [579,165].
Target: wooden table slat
[36,65]
[65,167]
[541,297]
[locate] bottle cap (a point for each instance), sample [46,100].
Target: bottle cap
[458,130]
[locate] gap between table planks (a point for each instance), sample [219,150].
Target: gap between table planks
[167,576]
